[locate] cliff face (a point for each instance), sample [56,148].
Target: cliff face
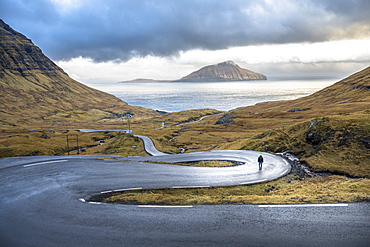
[21,57]
[31,85]
[226,71]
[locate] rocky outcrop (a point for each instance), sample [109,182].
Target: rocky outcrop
[226,71]
[298,109]
[317,135]
[226,119]
[313,135]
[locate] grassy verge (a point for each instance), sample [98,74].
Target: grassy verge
[210,163]
[287,190]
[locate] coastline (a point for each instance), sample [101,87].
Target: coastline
[223,96]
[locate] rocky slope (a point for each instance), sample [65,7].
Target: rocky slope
[226,71]
[32,86]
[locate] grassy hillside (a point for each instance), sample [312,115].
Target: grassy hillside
[35,94]
[336,144]
[329,130]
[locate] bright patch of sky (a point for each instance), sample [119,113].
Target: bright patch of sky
[284,60]
[63,6]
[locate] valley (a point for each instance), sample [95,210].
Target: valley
[329,131]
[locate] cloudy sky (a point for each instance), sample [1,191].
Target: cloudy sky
[115,40]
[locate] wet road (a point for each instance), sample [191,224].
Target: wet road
[42,203]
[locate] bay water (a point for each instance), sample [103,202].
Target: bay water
[180,96]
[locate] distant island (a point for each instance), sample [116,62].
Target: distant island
[226,71]
[139,80]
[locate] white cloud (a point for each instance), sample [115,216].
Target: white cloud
[122,29]
[325,58]
[65,6]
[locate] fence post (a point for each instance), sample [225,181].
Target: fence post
[67,144]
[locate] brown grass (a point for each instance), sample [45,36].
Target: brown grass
[267,127]
[208,163]
[339,149]
[285,190]
[19,142]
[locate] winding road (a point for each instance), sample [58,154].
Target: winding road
[43,202]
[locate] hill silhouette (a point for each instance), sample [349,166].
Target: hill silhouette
[226,71]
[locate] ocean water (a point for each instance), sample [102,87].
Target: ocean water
[171,97]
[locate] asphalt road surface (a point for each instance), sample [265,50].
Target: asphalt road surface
[44,202]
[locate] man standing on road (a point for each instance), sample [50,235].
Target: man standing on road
[260,161]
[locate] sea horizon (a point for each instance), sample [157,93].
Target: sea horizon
[223,96]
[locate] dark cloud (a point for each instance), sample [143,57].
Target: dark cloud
[122,29]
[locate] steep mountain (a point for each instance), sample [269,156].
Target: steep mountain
[226,71]
[33,86]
